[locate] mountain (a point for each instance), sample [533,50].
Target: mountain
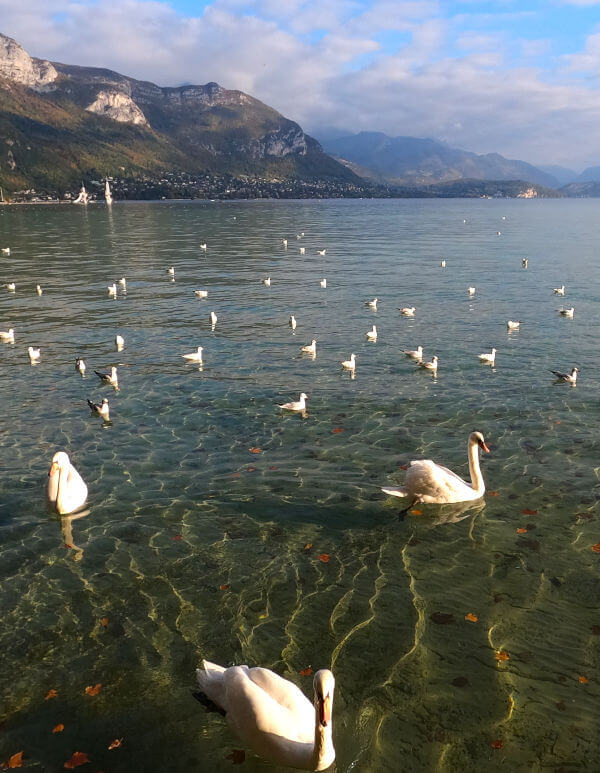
[591,174]
[582,190]
[561,174]
[413,161]
[60,123]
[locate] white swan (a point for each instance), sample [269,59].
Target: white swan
[267,281]
[471,290]
[109,378]
[201,293]
[272,715]
[350,364]
[433,365]
[112,290]
[66,491]
[194,356]
[559,290]
[8,336]
[38,290]
[416,354]
[100,409]
[119,342]
[372,304]
[298,405]
[323,283]
[513,324]
[408,311]
[293,322]
[488,358]
[431,483]
[372,334]
[570,378]
[310,348]
[34,354]
[80,366]
[567,312]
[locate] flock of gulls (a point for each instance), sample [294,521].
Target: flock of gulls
[269,713]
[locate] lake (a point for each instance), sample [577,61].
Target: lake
[219,527]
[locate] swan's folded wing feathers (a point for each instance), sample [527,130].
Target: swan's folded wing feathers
[286,693]
[433,482]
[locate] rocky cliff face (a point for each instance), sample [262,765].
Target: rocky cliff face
[118,107]
[16,65]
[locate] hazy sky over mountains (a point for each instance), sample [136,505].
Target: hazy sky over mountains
[520,78]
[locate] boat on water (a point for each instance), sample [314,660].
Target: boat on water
[107,193]
[83,197]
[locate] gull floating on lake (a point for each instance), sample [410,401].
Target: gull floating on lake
[284,242]
[488,358]
[372,304]
[321,252]
[267,281]
[112,291]
[433,365]
[372,334]
[8,336]
[471,290]
[80,366]
[194,356]
[213,319]
[559,290]
[11,287]
[567,312]
[109,378]
[272,716]
[100,409]
[119,342]
[299,405]
[292,322]
[204,246]
[310,348]
[302,250]
[513,324]
[323,283]
[569,378]
[443,264]
[34,354]
[350,364]
[38,290]
[66,491]
[416,354]
[524,263]
[123,282]
[201,293]
[431,483]
[408,311]
[6,250]
[171,271]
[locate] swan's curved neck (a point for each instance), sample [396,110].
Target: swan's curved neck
[61,492]
[476,477]
[323,750]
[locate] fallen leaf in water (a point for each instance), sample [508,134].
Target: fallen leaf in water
[472,618]
[224,587]
[89,690]
[104,622]
[116,743]
[337,430]
[263,616]
[526,511]
[16,761]
[308,546]
[237,756]
[416,512]
[306,671]
[77,759]
[521,531]
[68,546]
[178,537]
[558,422]
[596,547]
[497,744]
[442,618]
[324,557]
[273,467]
[404,466]
[236,475]
[255,450]
[493,494]
[58,728]
[51,694]
[502,655]
[583,679]
[251,469]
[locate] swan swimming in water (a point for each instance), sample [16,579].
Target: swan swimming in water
[66,491]
[272,715]
[431,483]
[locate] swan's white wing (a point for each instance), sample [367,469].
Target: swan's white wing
[433,483]
[287,694]
[77,490]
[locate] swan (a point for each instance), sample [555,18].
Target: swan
[567,312]
[100,410]
[201,293]
[471,290]
[38,290]
[267,281]
[293,322]
[372,334]
[431,483]
[34,354]
[559,290]
[8,336]
[109,378]
[299,405]
[321,252]
[323,283]
[194,356]
[80,366]
[213,319]
[123,282]
[416,354]
[66,491]
[443,264]
[310,348]
[171,271]
[524,263]
[488,358]
[11,287]
[272,715]
[372,304]
[429,365]
[513,325]
[350,364]
[119,342]
[302,250]
[408,311]
[569,378]
[6,250]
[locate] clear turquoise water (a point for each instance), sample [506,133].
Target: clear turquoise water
[179,507]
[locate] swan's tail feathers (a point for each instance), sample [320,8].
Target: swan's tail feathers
[395,492]
[210,679]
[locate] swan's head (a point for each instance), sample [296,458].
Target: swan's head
[324,685]
[60,461]
[476,438]
[303,396]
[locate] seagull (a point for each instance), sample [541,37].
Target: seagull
[201,293]
[323,283]
[310,348]
[34,354]
[559,290]
[194,356]
[498,233]
[372,334]
[430,365]
[119,342]
[488,358]
[302,250]
[416,354]
[171,271]
[372,304]
[299,405]
[321,252]
[284,242]
[80,366]
[11,287]
[213,319]
[203,246]
[567,312]
[100,410]
[350,364]
[443,264]
[513,325]
[8,336]
[408,311]
[267,281]
[471,290]
[524,263]
[123,282]
[112,291]
[6,250]
[299,236]
[569,378]
[38,290]
[293,322]
[109,378]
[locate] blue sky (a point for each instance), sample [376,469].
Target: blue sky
[519,78]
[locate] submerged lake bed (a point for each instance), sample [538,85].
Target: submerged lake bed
[219,527]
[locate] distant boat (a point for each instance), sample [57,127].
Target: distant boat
[107,193]
[83,197]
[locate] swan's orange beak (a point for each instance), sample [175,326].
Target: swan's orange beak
[485,448]
[325,711]
[53,469]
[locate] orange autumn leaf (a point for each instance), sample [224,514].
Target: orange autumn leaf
[236,475]
[502,655]
[324,557]
[178,537]
[472,618]
[497,744]
[89,690]
[583,679]
[306,671]
[521,531]
[224,587]
[116,743]
[104,622]
[251,469]
[493,494]
[337,430]
[273,467]
[526,511]
[16,761]
[77,759]
[51,694]
[255,450]
[417,512]
[596,547]
[404,466]
[308,546]
[58,728]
